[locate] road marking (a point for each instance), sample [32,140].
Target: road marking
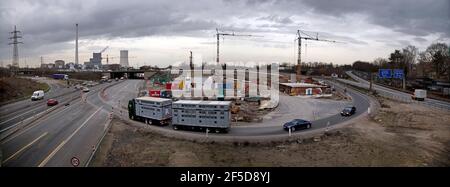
[12,126]
[50,156]
[25,147]
[19,115]
[49,116]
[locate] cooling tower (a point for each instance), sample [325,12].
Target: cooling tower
[124,58]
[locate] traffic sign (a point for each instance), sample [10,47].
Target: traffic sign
[75,161]
[385,73]
[398,74]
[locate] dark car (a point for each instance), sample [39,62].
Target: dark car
[52,102]
[348,111]
[297,124]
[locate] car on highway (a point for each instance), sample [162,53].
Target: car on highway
[78,87]
[52,102]
[348,111]
[37,95]
[85,89]
[297,124]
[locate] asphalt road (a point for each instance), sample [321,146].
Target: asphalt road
[360,101]
[394,93]
[12,114]
[69,131]
[74,130]
[274,127]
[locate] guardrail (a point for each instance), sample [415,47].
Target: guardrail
[402,98]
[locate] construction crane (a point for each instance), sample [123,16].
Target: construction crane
[218,34]
[306,37]
[103,50]
[114,57]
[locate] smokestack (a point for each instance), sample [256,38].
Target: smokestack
[76,45]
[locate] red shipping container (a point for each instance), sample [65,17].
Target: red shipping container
[169,86]
[154,93]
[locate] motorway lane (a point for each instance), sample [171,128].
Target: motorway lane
[73,130]
[13,113]
[57,130]
[70,131]
[55,89]
[122,93]
[30,112]
[406,96]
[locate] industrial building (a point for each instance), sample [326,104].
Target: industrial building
[48,66]
[95,62]
[302,88]
[202,114]
[59,64]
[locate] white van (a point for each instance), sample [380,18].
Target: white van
[37,95]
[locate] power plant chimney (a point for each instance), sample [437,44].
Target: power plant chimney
[76,44]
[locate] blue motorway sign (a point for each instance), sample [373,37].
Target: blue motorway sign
[398,74]
[385,73]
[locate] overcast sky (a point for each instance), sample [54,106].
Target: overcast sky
[162,32]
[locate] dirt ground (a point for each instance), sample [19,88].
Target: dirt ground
[15,88]
[399,135]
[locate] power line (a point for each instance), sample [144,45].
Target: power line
[16,35]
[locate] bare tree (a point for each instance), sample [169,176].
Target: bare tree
[409,56]
[381,63]
[437,58]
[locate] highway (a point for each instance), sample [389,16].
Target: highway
[395,94]
[69,131]
[13,113]
[74,130]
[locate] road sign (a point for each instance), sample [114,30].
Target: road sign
[385,73]
[75,161]
[398,74]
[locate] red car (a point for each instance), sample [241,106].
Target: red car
[52,102]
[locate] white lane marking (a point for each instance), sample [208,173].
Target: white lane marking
[19,115]
[50,156]
[50,116]
[12,126]
[25,147]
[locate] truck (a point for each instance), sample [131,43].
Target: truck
[214,116]
[151,110]
[60,76]
[154,93]
[419,95]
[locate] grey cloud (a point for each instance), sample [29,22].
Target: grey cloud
[415,17]
[47,23]
[277,19]
[420,39]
